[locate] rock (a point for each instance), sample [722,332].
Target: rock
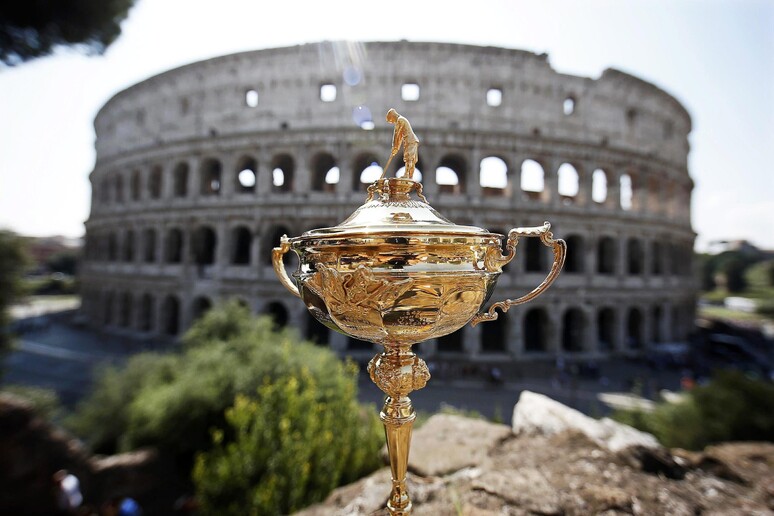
[447,443]
[538,414]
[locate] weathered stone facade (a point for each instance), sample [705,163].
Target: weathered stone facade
[201,169]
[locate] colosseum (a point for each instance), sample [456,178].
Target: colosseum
[201,169]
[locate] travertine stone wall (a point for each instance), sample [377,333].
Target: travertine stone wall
[177,223]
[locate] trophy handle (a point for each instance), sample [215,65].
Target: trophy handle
[276,260]
[559,248]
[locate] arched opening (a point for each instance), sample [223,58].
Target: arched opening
[199,307]
[494,335]
[324,178]
[315,331]
[108,308]
[128,255]
[606,329]
[145,322]
[627,192]
[149,245]
[366,170]
[119,189]
[573,330]
[181,179]
[634,256]
[568,183]
[134,185]
[575,255]
[272,240]
[657,322]
[278,314]
[204,243]
[283,170]
[657,258]
[599,186]
[246,173]
[568,106]
[112,247]
[536,330]
[606,256]
[125,310]
[173,250]
[532,179]
[211,171]
[452,343]
[493,177]
[676,323]
[536,255]
[634,337]
[241,241]
[155,183]
[450,174]
[170,315]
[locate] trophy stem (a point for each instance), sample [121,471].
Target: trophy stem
[397,372]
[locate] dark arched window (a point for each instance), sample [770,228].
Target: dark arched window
[204,244]
[536,328]
[606,329]
[241,241]
[155,183]
[452,343]
[173,247]
[147,306]
[200,306]
[536,255]
[575,254]
[278,313]
[494,335]
[170,315]
[325,173]
[181,179]
[211,171]
[573,330]
[606,256]
[634,256]
[149,245]
[634,337]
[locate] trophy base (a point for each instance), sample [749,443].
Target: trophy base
[397,372]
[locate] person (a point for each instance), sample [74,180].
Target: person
[69,496]
[404,135]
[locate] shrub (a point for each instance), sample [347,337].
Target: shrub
[732,407]
[289,449]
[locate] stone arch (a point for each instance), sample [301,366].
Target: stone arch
[451,174]
[635,257]
[204,244]
[283,168]
[315,331]
[536,330]
[170,315]
[362,175]
[129,245]
[323,165]
[533,179]
[173,246]
[452,343]
[494,335]
[599,182]
[606,255]
[155,182]
[147,308]
[569,183]
[626,190]
[180,179]
[606,329]
[210,175]
[576,252]
[149,245]
[241,242]
[574,326]
[278,313]
[246,174]
[493,177]
[634,329]
[200,306]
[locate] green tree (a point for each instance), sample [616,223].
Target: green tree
[35,28]
[761,275]
[13,261]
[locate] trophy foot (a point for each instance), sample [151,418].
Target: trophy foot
[398,371]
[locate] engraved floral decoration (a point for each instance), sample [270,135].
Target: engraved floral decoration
[398,381]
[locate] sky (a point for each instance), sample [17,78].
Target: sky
[716,57]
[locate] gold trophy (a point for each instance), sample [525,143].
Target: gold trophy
[396,273]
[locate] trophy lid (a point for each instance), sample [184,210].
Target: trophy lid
[390,208]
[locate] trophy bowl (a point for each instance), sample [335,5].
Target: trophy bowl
[396,272]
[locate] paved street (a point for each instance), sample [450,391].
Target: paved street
[63,357]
